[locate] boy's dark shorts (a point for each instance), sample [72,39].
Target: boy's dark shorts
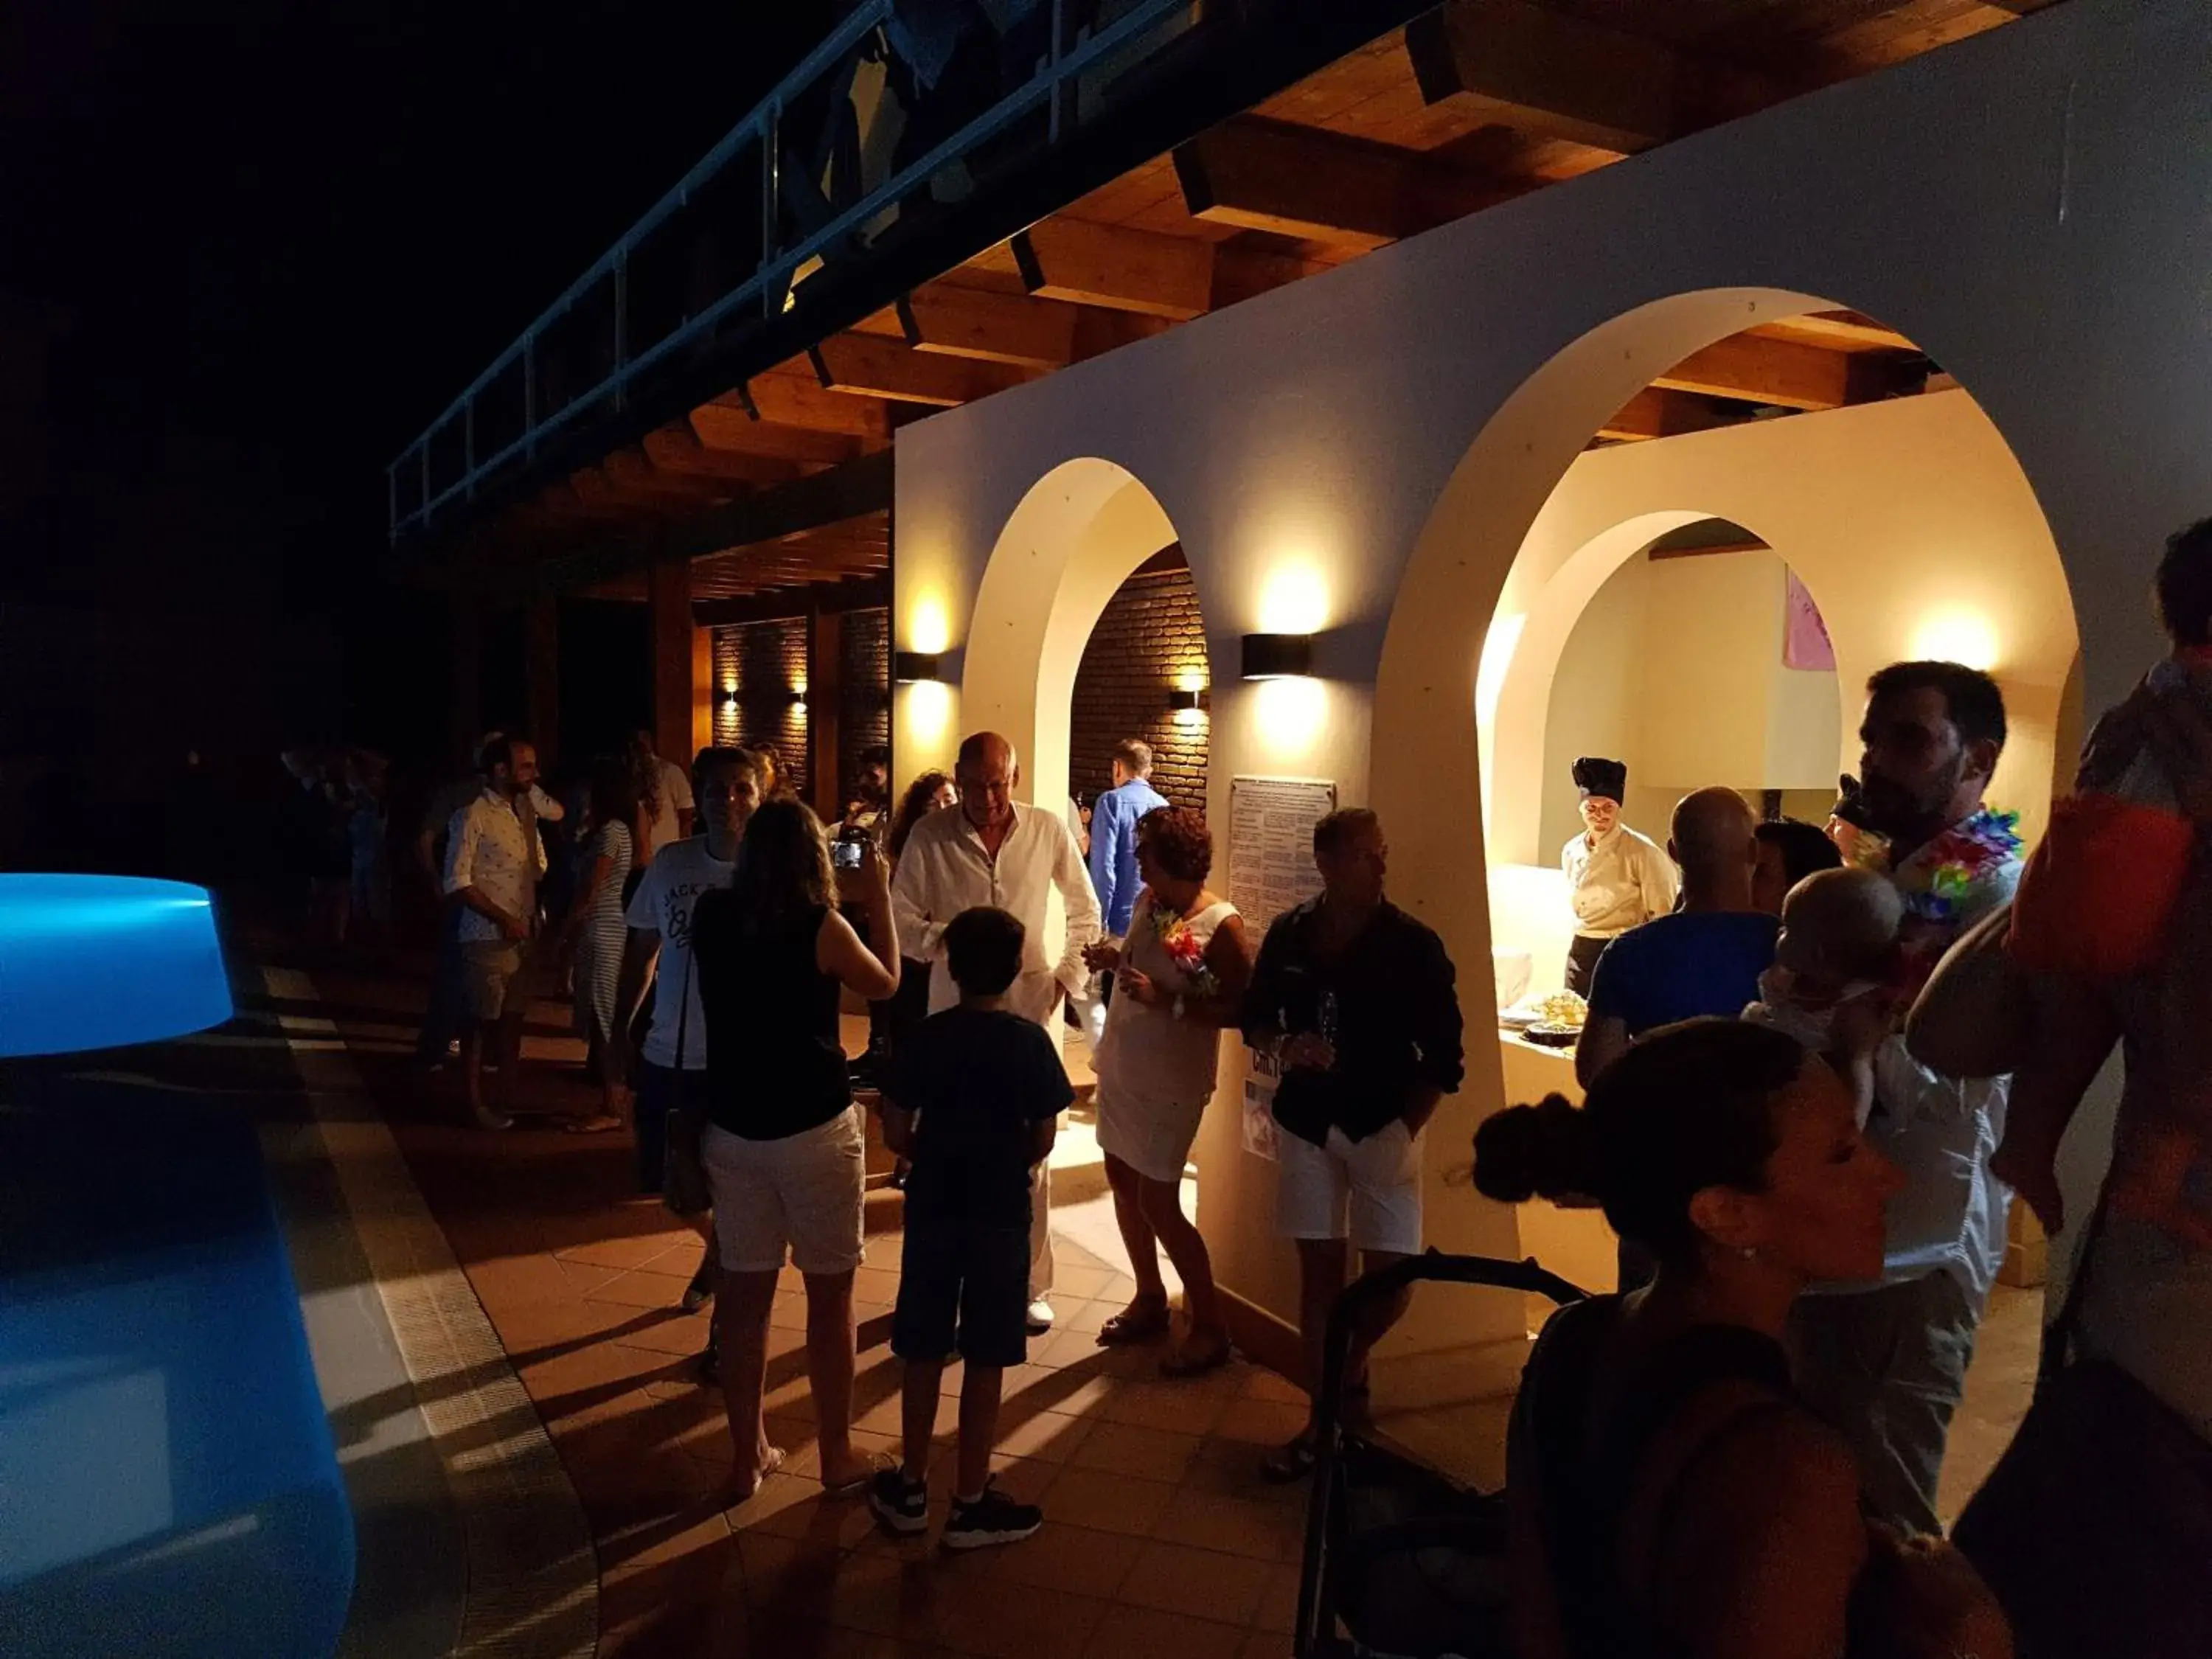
[974,1278]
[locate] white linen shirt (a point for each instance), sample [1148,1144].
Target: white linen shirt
[489,848]
[945,870]
[1623,881]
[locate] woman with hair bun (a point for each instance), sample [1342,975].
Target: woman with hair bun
[1670,1494]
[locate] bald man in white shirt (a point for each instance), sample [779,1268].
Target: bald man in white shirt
[1012,856]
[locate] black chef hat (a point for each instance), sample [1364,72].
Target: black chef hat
[1606,780]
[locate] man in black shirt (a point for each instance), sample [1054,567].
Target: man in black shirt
[974,1099]
[1353,999]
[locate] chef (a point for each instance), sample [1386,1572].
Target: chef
[1616,878]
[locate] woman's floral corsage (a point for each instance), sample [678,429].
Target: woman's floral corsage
[1184,950]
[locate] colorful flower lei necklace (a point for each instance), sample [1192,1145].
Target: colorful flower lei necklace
[1183,950]
[1936,880]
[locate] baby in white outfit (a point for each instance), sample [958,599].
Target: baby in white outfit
[1830,984]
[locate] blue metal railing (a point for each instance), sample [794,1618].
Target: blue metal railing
[419,486]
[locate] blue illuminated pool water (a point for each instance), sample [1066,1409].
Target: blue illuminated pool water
[96,961]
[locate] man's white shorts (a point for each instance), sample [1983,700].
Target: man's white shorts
[1367,1190]
[803,1194]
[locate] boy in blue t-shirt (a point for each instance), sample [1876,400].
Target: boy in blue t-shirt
[973,1100]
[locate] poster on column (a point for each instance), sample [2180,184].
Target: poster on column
[1271,823]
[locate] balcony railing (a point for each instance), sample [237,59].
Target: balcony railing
[817,175]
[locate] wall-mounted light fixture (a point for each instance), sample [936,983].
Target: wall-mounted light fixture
[1277,656]
[1183,700]
[910,666]
[729,696]
[795,697]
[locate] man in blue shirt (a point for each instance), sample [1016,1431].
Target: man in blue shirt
[1114,817]
[1706,958]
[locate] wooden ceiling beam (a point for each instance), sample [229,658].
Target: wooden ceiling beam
[1119,269]
[862,365]
[1552,75]
[637,469]
[684,449]
[1658,412]
[730,428]
[1257,175]
[1841,331]
[799,400]
[994,328]
[1783,372]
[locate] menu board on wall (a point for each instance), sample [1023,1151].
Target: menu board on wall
[1271,866]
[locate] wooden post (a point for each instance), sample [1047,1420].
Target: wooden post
[464,623]
[540,670]
[702,689]
[825,652]
[668,598]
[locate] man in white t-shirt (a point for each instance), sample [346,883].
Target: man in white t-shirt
[664,794]
[669,1076]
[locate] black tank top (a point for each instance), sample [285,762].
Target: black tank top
[776,1065]
[1587,1474]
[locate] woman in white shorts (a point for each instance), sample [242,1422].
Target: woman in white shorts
[783,1148]
[1179,979]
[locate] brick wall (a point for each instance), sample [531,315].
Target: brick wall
[864,703]
[765,662]
[1148,641]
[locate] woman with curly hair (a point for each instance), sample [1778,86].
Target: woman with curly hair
[1179,978]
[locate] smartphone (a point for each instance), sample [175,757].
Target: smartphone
[845,854]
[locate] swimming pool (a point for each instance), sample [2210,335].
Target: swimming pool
[98,961]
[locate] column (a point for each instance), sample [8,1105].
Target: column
[668,598]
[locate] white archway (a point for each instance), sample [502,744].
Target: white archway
[1075,538]
[1511,553]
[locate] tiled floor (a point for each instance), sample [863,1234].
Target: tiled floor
[1160,1538]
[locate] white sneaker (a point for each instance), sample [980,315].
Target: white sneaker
[1039,1317]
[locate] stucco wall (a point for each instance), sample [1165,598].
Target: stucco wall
[1372,445]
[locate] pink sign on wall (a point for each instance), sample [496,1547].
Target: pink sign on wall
[1805,642]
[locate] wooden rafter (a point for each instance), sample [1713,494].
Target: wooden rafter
[945,321]
[865,365]
[1297,181]
[1119,269]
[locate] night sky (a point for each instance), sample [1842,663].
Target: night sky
[280,235]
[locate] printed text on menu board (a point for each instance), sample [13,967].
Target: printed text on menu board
[1271,866]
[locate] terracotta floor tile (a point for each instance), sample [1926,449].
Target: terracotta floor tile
[1109,1502]
[644,1288]
[1184,1407]
[804,1453]
[1279,1603]
[1197,1583]
[509,1281]
[1054,1436]
[624,1252]
[1086,1315]
[1075,1389]
[887,1415]
[783,1505]
[1081,1282]
[1024,1480]
[681,1538]
[1081,1561]
[584,1278]
[878,1285]
[1260,1384]
[1129,1632]
[884,1595]
[664,1330]
[1037,1624]
[789,1312]
[1231,1468]
[1238,1525]
[1151,1454]
[1260,1422]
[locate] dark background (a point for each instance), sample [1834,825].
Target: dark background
[247,250]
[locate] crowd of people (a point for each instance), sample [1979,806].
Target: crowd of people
[1816,1065]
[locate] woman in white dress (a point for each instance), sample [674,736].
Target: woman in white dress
[1179,979]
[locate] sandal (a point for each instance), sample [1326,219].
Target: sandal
[745,1494]
[1184,1363]
[1140,1322]
[1295,1461]
[599,1123]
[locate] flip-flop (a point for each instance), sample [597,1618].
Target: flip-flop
[760,1478]
[1293,1462]
[1181,1364]
[860,1483]
[1130,1326]
[599,1123]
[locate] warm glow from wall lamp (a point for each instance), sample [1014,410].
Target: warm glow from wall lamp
[729,696]
[1277,656]
[929,626]
[910,667]
[1964,636]
[1183,699]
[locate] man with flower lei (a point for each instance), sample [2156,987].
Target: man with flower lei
[1887,1363]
